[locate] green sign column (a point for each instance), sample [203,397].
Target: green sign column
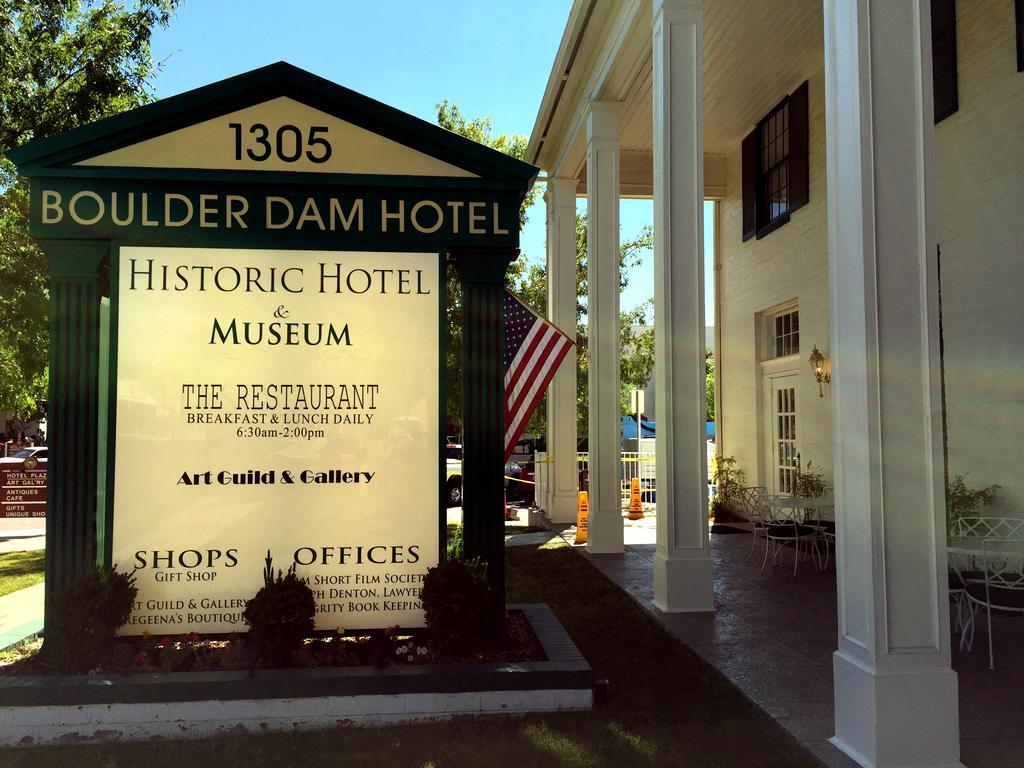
[72,411]
[482,274]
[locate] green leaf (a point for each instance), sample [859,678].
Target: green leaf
[62,64]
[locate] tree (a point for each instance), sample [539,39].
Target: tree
[480,130]
[528,278]
[63,63]
[709,384]
[636,336]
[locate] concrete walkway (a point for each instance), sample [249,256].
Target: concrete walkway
[21,612]
[17,544]
[773,634]
[21,616]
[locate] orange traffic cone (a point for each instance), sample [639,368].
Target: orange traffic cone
[636,508]
[582,512]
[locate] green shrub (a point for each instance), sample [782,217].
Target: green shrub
[86,616]
[717,511]
[281,614]
[456,603]
[729,481]
[456,548]
[809,483]
[962,501]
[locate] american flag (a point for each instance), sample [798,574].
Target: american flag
[534,349]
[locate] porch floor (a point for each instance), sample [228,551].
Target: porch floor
[773,636]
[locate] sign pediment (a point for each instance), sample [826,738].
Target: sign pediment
[280,134]
[276,119]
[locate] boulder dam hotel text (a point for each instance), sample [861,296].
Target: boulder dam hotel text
[113,211]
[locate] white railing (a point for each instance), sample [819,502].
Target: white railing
[541,473]
[638,464]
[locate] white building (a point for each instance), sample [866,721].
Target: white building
[853,147]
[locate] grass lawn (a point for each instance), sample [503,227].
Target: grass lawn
[510,530]
[666,707]
[20,569]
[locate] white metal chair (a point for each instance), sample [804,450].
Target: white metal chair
[826,531]
[1011,528]
[814,509]
[959,566]
[753,498]
[788,523]
[964,570]
[1001,588]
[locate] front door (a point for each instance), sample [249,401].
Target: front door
[780,430]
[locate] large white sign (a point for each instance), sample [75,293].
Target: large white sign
[276,400]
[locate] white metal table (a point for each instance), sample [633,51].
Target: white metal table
[963,551]
[796,519]
[972,546]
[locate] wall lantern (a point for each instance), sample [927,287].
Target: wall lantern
[821,369]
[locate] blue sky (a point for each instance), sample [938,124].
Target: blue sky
[491,58]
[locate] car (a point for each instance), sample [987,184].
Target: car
[453,480]
[522,488]
[34,456]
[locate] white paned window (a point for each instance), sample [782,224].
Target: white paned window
[786,456]
[786,328]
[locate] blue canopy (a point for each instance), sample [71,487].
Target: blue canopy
[629,428]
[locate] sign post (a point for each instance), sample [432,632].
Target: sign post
[637,401]
[273,250]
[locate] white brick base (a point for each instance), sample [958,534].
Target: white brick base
[127,722]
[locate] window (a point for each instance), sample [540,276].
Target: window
[944,58]
[787,459]
[775,166]
[773,136]
[787,334]
[778,331]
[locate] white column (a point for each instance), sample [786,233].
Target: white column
[560,503]
[682,561]
[895,694]
[605,523]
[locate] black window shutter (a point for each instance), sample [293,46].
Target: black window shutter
[799,149]
[1019,5]
[944,58]
[749,153]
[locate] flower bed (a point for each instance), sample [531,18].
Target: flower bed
[194,653]
[48,708]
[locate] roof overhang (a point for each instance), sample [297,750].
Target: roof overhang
[751,59]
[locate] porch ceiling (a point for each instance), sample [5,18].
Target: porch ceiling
[755,51]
